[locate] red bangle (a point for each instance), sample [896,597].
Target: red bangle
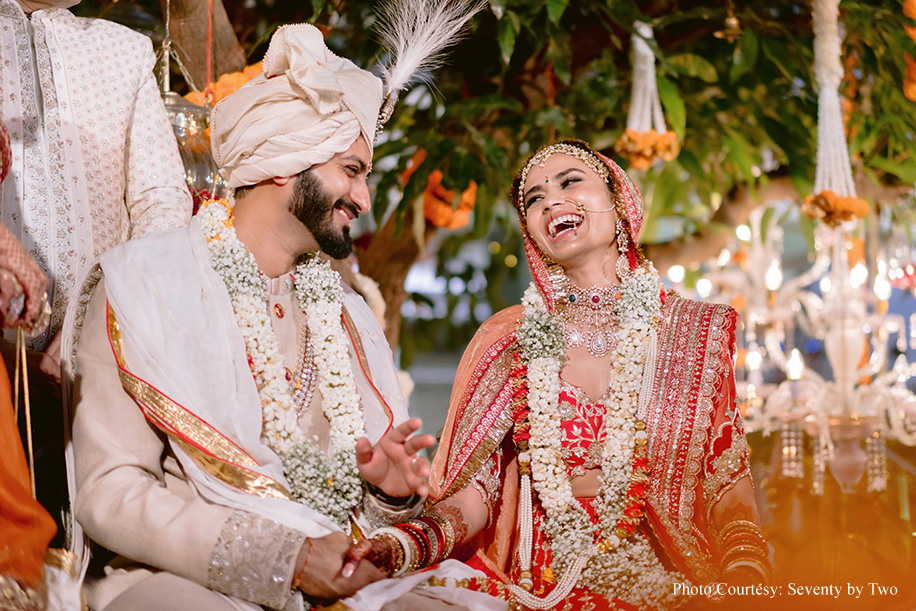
[421,541]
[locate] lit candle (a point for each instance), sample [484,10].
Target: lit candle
[882,292]
[773,280]
[795,369]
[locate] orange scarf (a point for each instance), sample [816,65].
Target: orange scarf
[25,527]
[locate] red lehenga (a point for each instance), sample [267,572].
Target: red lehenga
[697,450]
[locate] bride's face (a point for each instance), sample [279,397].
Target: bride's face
[568,233]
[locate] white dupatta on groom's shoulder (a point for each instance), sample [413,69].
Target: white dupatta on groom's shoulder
[183,360]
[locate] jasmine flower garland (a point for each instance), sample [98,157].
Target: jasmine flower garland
[331,484]
[615,559]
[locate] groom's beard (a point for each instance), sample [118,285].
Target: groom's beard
[314,207]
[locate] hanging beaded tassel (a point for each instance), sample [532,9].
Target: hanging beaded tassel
[793,450]
[834,199]
[646,138]
[875,451]
[821,454]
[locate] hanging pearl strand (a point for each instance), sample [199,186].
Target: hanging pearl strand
[833,170]
[645,106]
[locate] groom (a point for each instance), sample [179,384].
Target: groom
[237,409]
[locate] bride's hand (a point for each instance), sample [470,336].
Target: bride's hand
[393,465]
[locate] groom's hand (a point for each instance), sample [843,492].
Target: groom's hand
[322,577]
[393,464]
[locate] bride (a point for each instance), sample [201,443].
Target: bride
[593,455]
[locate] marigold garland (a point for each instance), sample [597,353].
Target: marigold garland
[834,209]
[642,149]
[224,86]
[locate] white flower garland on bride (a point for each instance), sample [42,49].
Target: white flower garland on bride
[331,484]
[615,559]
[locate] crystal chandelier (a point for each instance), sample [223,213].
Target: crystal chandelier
[866,399]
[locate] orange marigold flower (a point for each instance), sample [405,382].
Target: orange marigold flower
[437,203]
[642,149]
[740,257]
[196,97]
[225,85]
[855,252]
[834,209]
[739,302]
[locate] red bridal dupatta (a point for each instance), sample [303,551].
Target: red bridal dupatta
[696,442]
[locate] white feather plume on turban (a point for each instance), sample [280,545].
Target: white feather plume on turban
[307,106]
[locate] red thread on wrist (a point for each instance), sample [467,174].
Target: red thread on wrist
[297,578]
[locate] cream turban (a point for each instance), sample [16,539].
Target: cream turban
[307,106]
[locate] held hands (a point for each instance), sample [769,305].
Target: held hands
[393,464]
[319,569]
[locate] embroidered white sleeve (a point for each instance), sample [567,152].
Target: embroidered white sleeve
[254,560]
[157,195]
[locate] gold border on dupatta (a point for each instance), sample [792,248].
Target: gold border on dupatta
[357,342]
[206,446]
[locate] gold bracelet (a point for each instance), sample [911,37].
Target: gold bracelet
[739,525]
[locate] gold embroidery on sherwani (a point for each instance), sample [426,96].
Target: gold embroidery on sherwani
[211,450]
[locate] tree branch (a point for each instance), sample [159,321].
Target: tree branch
[188,29]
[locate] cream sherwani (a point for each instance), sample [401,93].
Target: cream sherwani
[94,157]
[135,498]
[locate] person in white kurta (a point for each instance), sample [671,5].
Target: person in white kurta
[95,161]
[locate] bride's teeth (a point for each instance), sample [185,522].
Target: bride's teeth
[572,219]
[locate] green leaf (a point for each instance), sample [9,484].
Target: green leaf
[904,170]
[508,31]
[739,154]
[555,10]
[765,222]
[694,65]
[745,55]
[560,58]
[674,106]
[481,105]
[775,51]
[689,162]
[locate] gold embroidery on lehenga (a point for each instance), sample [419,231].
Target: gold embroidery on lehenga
[476,438]
[680,421]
